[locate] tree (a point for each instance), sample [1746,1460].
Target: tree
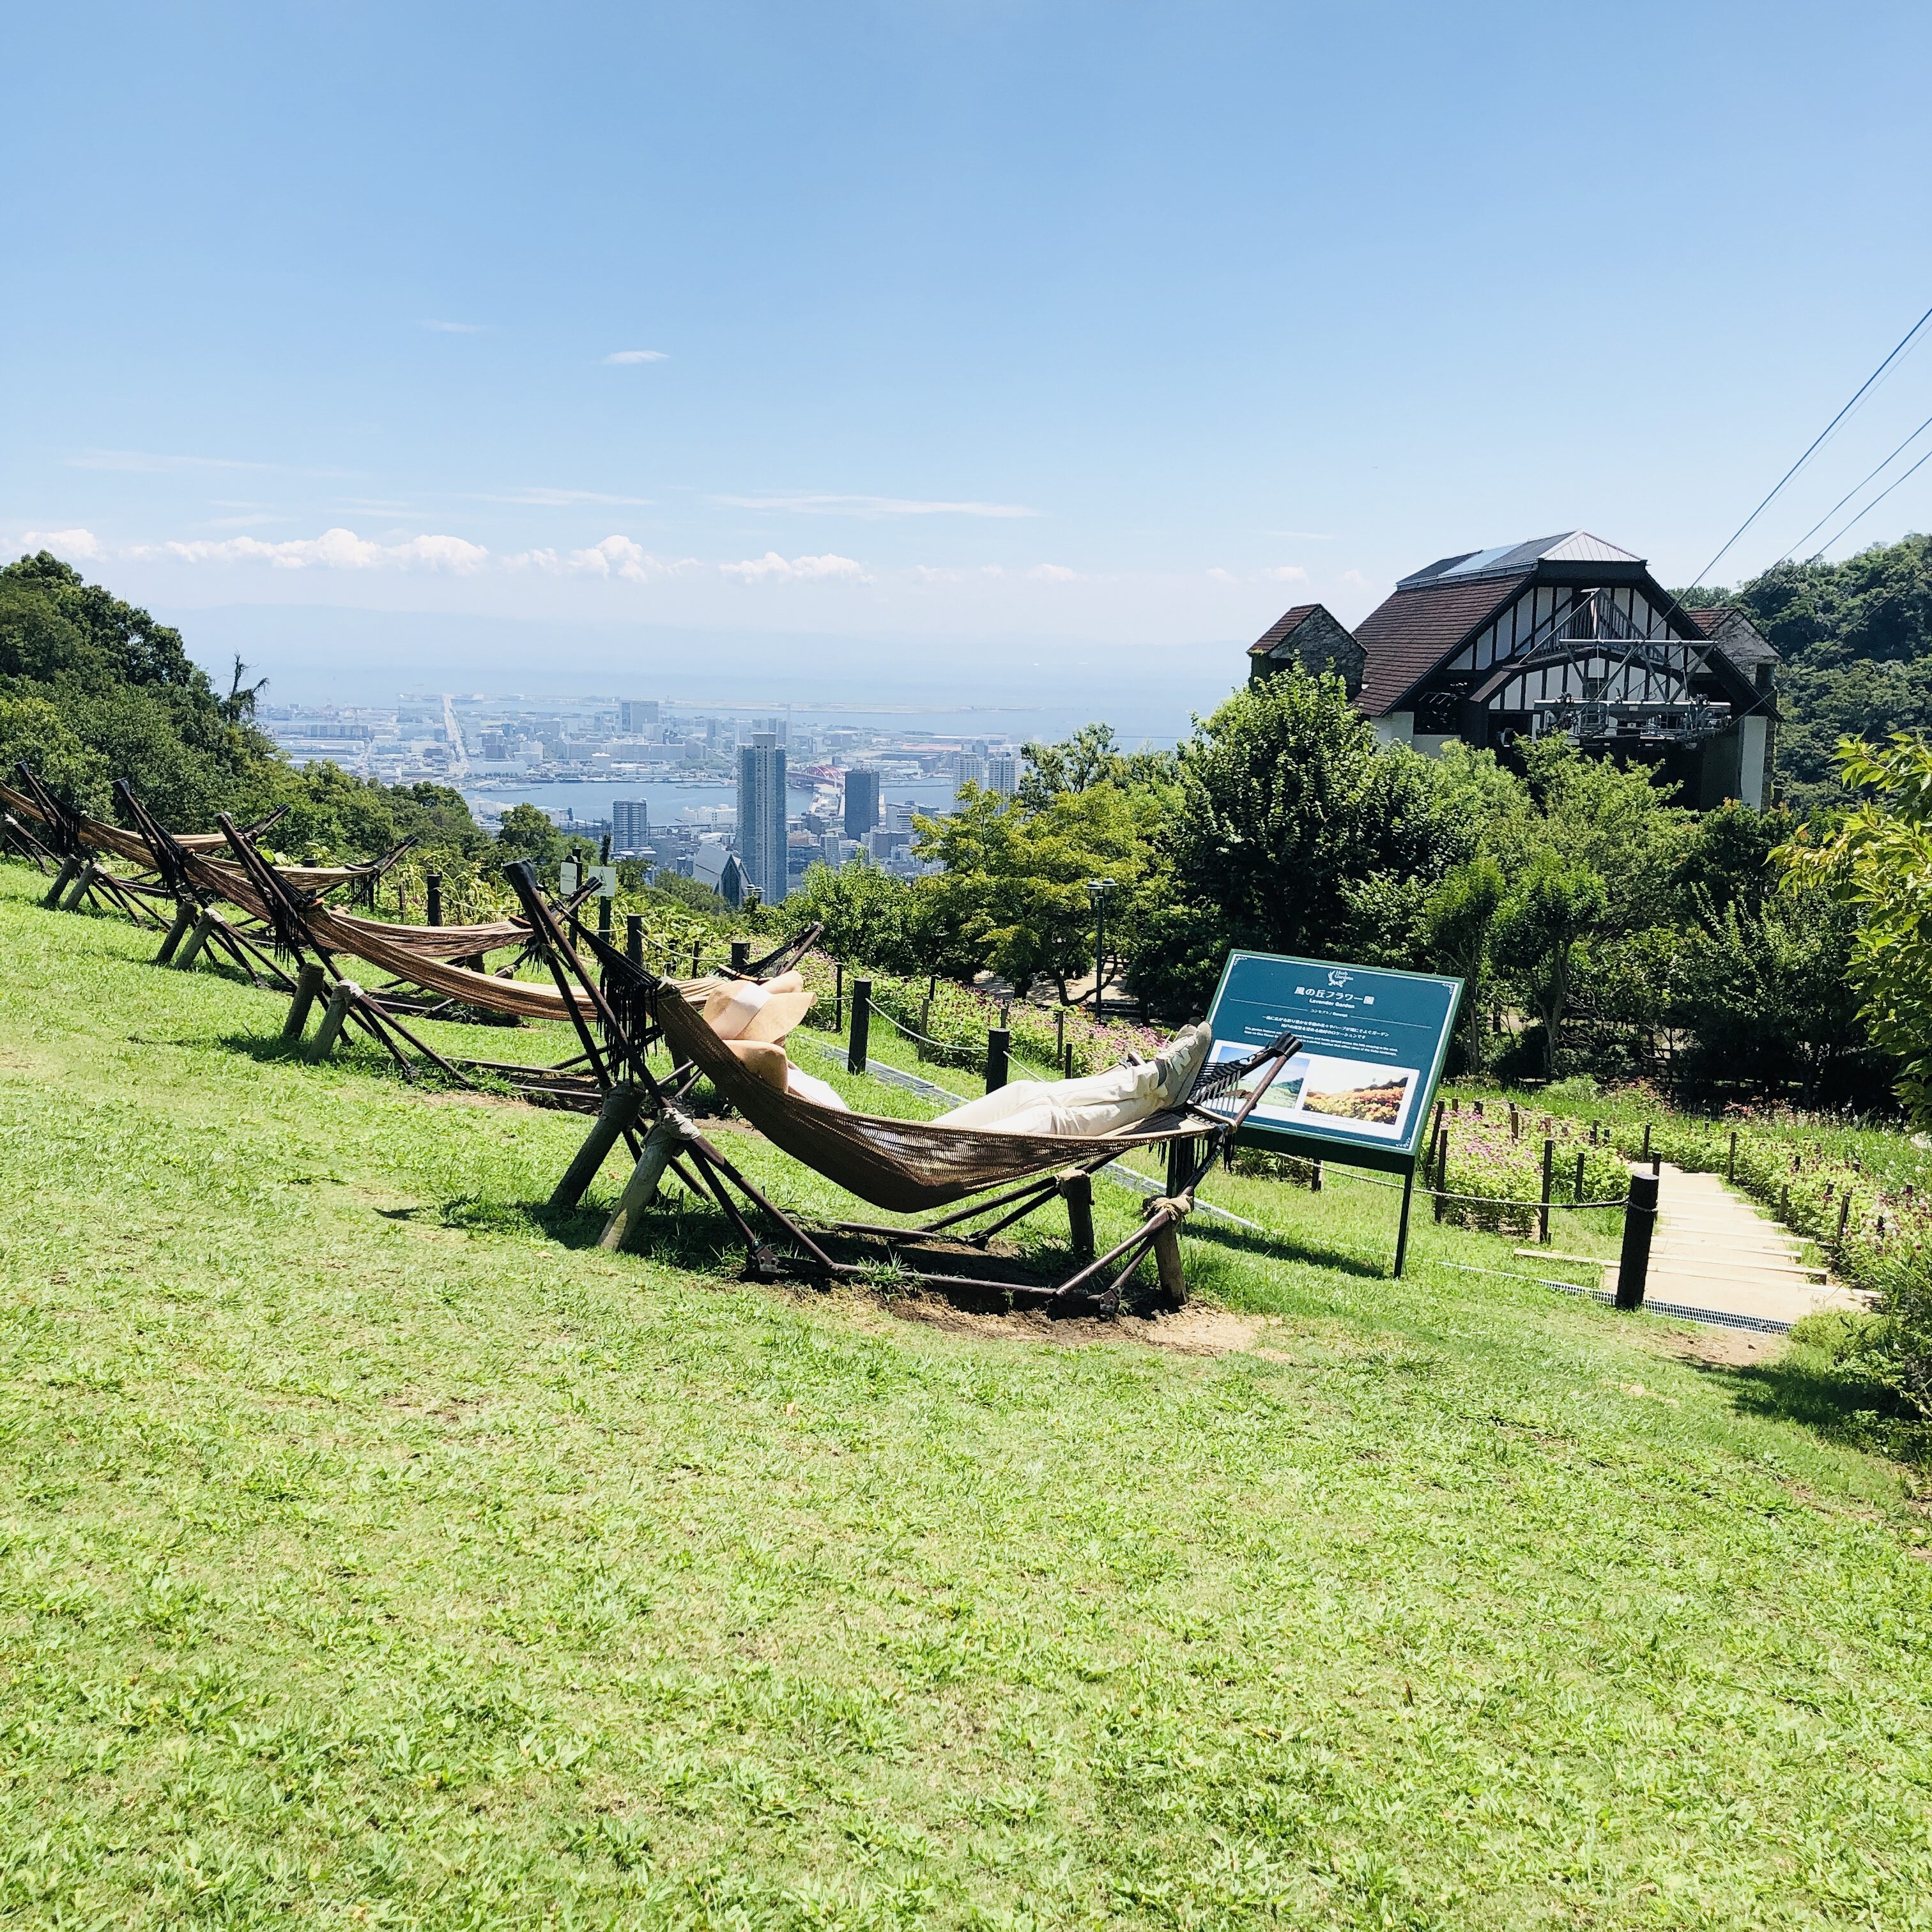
[1091,756]
[865,912]
[526,832]
[1878,859]
[1458,918]
[1538,929]
[1290,819]
[238,706]
[1011,895]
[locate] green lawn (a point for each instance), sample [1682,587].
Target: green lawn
[374,1550]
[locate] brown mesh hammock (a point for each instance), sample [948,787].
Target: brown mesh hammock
[901,1166]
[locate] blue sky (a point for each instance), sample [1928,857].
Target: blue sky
[930,343]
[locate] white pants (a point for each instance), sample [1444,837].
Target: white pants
[1102,1103]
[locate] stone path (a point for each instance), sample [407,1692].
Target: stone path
[1715,1251]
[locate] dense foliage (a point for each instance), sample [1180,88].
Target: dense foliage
[1856,640]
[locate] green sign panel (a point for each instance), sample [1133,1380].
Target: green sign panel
[1372,1044]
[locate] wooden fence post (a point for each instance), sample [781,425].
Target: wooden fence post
[1076,1189]
[741,954]
[1441,1169]
[1577,1194]
[1640,1223]
[1548,1181]
[999,1047]
[641,1189]
[1844,1215]
[1731,1165]
[634,938]
[308,984]
[433,886]
[861,1025]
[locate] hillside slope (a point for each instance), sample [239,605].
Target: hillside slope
[373,1552]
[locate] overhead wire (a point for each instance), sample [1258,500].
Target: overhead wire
[1811,449]
[1875,503]
[1854,491]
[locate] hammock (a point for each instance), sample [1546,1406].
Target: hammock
[905,1166]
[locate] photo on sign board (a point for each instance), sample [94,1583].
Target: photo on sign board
[1317,1090]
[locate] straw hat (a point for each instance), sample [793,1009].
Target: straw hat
[779,1014]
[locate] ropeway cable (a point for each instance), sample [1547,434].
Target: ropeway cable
[1903,342]
[1853,492]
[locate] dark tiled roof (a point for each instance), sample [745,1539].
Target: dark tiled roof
[1413,631]
[1285,627]
[1738,638]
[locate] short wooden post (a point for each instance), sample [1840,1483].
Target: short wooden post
[696,951]
[641,1189]
[1656,1163]
[604,918]
[1167,1259]
[1548,1180]
[1066,1060]
[432,885]
[1646,1141]
[1844,1215]
[1059,1034]
[1784,1204]
[1577,1192]
[63,879]
[861,1025]
[308,986]
[1402,1226]
[634,938]
[741,954]
[999,1047]
[185,914]
[1640,1224]
[620,1109]
[1441,1169]
[342,996]
[83,880]
[1076,1189]
[1731,1165]
[1516,1123]
[196,941]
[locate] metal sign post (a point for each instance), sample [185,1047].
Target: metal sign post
[1360,1090]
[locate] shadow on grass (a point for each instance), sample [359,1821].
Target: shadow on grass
[1269,1246]
[1818,1385]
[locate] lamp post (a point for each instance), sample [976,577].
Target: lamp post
[1098,891]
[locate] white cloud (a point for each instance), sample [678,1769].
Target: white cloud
[817,504]
[142,461]
[625,355]
[455,328]
[334,550]
[615,556]
[1286,573]
[1221,576]
[76,543]
[1053,573]
[772,568]
[560,499]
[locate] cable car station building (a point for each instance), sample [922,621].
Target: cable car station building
[1563,635]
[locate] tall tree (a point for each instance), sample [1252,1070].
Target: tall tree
[1539,928]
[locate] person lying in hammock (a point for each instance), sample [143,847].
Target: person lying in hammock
[754,1019]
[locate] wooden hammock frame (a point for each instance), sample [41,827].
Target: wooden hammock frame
[1040,1170]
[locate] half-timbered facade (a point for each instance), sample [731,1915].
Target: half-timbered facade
[1566,635]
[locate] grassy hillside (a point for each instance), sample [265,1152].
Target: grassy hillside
[373,1551]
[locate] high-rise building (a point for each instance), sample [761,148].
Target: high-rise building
[761,814]
[1002,774]
[778,727]
[636,714]
[630,825]
[862,803]
[972,771]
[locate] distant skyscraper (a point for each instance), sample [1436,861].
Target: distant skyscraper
[777,727]
[630,825]
[635,714]
[1002,774]
[972,771]
[761,814]
[862,803]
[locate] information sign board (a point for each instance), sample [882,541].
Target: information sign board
[1373,1043]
